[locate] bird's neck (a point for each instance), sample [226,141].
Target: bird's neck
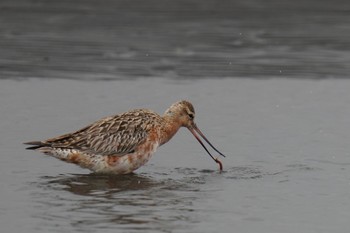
[169,128]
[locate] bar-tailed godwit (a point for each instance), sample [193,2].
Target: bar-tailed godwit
[122,143]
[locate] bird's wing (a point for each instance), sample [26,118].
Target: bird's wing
[115,135]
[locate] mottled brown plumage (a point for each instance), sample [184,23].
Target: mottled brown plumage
[121,143]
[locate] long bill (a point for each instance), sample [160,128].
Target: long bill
[194,130]
[202,135]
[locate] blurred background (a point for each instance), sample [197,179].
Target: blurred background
[183,39]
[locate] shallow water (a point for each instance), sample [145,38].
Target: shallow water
[269,83]
[287,165]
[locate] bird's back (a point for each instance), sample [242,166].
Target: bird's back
[118,134]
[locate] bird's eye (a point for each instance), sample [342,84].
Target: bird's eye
[191,115]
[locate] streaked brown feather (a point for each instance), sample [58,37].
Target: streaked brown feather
[114,135]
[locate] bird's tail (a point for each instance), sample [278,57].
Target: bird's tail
[36,145]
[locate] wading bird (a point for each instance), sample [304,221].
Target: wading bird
[122,143]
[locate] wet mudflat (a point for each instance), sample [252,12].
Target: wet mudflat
[268,79]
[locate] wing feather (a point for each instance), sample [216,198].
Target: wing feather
[115,135]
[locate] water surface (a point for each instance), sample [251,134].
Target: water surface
[186,39]
[287,165]
[268,79]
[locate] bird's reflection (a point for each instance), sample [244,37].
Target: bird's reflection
[153,201]
[101,185]
[131,201]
